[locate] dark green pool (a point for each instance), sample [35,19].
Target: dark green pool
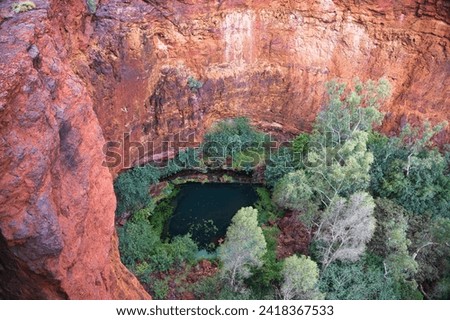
[205,210]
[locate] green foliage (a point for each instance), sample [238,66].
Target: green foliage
[23,6]
[162,213]
[132,186]
[264,279]
[160,289]
[143,252]
[300,145]
[338,160]
[183,249]
[363,280]
[248,158]
[390,240]
[267,210]
[350,111]
[430,248]
[214,288]
[243,248]
[194,84]
[143,214]
[408,172]
[342,170]
[293,191]
[227,178]
[92,5]
[208,288]
[137,242]
[278,165]
[229,137]
[300,276]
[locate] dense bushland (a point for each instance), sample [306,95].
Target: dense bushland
[376,208]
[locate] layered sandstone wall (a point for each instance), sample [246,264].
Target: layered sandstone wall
[70,81]
[267,60]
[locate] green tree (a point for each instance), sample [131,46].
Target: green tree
[349,111]
[407,171]
[390,241]
[340,171]
[430,248]
[278,165]
[243,248]
[363,280]
[265,279]
[300,276]
[137,242]
[293,191]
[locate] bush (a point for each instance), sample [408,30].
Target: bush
[264,279]
[137,242]
[208,288]
[162,213]
[408,172]
[194,84]
[183,249]
[229,137]
[300,147]
[23,6]
[357,281]
[278,165]
[132,186]
[143,252]
[160,289]
[267,210]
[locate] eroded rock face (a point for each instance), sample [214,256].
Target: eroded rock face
[56,201]
[71,81]
[267,60]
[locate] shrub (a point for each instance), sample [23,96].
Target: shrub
[132,188]
[143,252]
[137,242]
[278,165]
[264,279]
[23,6]
[183,248]
[208,288]
[407,171]
[229,137]
[162,213]
[160,289]
[194,84]
[267,210]
[357,281]
[300,146]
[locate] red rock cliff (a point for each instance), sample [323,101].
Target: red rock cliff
[56,201]
[71,81]
[268,60]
